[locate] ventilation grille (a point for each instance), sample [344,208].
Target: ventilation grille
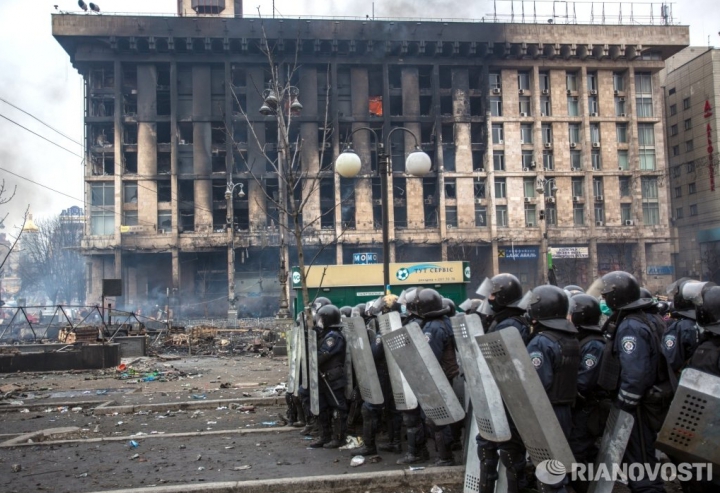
[539,454]
[472,482]
[493,349]
[485,425]
[437,413]
[688,421]
[398,341]
[399,398]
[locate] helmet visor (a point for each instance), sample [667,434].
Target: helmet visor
[675,285]
[692,291]
[485,289]
[524,302]
[465,305]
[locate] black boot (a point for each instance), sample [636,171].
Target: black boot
[300,421]
[445,455]
[368,435]
[325,431]
[417,452]
[394,426]
[311,425]
[339,430]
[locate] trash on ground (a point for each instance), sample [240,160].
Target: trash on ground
[352,442]
[242,468]
[417,468]
[358,460]
[436,489]
[16,468]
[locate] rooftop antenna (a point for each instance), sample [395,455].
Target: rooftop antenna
[95,7]
[82,5]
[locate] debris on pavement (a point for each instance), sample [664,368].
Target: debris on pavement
[356,461]
[352,442]
[16,468]
[242,468]
[436,489]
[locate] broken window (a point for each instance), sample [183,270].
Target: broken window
[102,106]
[164,221]
[445,77]
[430,202]
[130,134]
[450,188]
[185,133]
[451,218]
[400,202]
[102,135]
[130,218]
[163,163]
[102,78]
[164,191]
[130,162]
[446,105]
[103,163]
[163,133]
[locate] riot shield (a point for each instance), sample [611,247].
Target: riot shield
[363,362]
[472,463]
[424,374]
[349,383]
[487,403]
[690,430]
[312,353]
[612,447]
[302,344]
[403,395]
[293,353]
[525,396]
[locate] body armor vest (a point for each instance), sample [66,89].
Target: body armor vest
[336,360]
[448,362]
[707,356]
[564,386]
[592,337]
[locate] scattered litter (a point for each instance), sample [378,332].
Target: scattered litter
[436,489]
[269,423]
[201,468]
[199,397]
[352,442]
[212,422]
[76,409]
[221,408]
[229,447]
[182,446]
[83,475]
[26,410]
[133,444]
[242,468]
[358,460]
[246,394]
[101,392]
[225,385]
[119,423]
[417,468]
[136,456]
[374,459]
[16,468]
[199,457]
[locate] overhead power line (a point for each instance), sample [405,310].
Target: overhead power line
[39,120]
[43,138]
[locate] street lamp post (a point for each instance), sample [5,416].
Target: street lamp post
[229,192]
[543,186]
[417,164]
[274,99]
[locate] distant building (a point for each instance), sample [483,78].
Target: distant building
[692,104]
[544,138]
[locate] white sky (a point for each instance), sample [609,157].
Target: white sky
[36,75]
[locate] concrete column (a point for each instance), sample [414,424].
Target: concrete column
[175,269]
[413,186]
[174,152]
[310,152]
[362,143]
[118,169]
[202,148]
[490,194]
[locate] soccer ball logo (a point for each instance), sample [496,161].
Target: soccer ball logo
[402,274]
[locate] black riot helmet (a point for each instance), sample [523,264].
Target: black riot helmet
[549,306]
[585,312]
[359,310]
[410,299]
[505,289]
[346,311]
[682,304]
[429,303]
[449,305]
[320,302]
[573,289]
[645,293]
[708,313]
[328,317]
[622,291]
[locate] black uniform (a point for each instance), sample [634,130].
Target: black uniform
[680,340]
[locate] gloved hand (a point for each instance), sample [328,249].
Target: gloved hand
[624,406]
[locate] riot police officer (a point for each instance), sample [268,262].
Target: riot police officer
[593,403]
[707,359]
[636,347]
[331,378]
[372,414]
[555,353]
[504,295]
[682,336]
[439,334]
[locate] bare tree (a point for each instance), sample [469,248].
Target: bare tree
[51,263]
[298,181]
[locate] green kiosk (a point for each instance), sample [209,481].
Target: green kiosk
[351,284]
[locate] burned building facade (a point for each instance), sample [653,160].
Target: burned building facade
[543,137]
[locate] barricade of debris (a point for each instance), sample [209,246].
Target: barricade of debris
[80,333]
[211,340]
